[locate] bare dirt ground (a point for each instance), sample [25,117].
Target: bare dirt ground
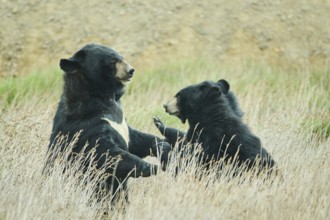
[35,34]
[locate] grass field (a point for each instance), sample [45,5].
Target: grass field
[289,109]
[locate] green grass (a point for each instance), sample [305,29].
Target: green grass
[171,77]
[16,89]
[320,127]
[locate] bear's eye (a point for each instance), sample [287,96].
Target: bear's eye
[111,61]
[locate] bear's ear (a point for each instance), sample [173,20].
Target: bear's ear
[68,65]
[224,86]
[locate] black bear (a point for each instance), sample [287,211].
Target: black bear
[215,123]
[94,81]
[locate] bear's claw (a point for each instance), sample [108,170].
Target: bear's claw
[159,124]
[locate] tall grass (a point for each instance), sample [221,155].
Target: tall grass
[287,109]
[16,89]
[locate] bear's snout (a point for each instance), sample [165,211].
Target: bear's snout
[171,107]
[124,71]
[131,72]
[166,108]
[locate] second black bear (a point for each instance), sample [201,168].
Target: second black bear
[94,81]
[215,122]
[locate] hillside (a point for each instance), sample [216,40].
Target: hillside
[35,34]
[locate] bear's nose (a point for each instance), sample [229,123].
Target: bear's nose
[131,72]
[165,106]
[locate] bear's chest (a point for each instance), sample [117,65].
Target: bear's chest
[121,128]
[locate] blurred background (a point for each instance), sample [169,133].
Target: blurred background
[35,34]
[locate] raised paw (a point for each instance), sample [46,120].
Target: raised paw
[159,124]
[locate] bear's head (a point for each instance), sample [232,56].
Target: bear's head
[101,70]
[190,102]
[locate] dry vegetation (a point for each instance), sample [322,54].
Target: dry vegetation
[274,54]
[283,108]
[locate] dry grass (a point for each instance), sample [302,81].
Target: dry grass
[281,107]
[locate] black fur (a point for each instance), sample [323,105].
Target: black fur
[215,123]
[91,97]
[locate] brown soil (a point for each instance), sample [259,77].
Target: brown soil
[35,34]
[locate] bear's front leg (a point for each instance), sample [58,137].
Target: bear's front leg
[172,135]
[143,144]
[130,165]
